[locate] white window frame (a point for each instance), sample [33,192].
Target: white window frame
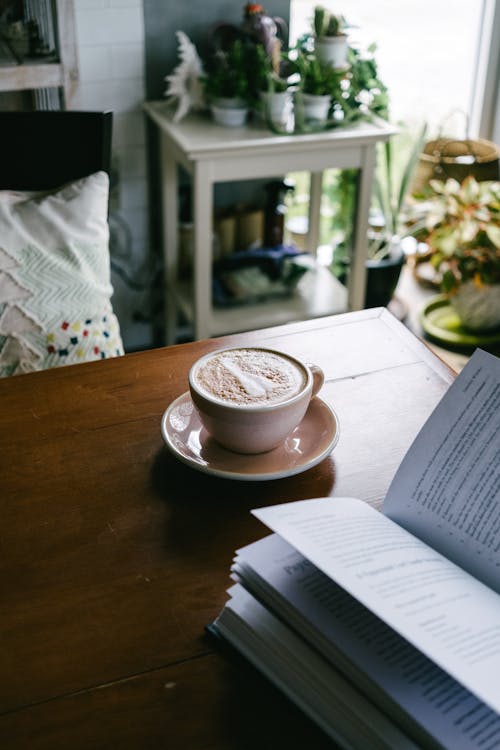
[485,104]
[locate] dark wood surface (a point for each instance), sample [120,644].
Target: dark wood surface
[114,555]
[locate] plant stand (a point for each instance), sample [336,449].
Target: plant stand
[213,155]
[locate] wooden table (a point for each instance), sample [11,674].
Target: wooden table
[212,154]
[114,555]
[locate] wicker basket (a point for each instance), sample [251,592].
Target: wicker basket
[445,158]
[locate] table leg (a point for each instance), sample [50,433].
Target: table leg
[357,274]
[315,193]
[170,239]
[202,250]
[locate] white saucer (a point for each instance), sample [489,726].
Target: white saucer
[310,442]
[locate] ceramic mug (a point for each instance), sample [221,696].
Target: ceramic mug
[251,398]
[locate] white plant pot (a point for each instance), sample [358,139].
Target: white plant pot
[276,106]
[316,107]
[229,102]
[229,117]
[332,50]
[477,307]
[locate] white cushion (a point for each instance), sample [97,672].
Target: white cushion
[55,288]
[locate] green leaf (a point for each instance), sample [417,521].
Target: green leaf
[320,14]
[470,190]
[493,232]
[468,230]
[448,281]
[410,166]
[437,186]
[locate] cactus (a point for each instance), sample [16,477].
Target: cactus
[319,19]
[326,23]
[333,26]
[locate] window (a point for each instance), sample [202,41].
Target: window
[439,61]
[427,53]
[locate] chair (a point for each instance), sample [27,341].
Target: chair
[43,150]
[55,287]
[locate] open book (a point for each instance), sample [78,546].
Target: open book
[385,627]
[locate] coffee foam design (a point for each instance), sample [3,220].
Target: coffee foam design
[250,376]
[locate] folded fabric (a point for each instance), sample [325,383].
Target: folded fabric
[258,274]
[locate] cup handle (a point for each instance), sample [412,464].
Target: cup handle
[318,378]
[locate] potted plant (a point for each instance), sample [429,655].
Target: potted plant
[330,39]
[462,231]
[318,85]
[270,86]
[356,92]
[386,256]
[226,84]
[277,101]
[390,221]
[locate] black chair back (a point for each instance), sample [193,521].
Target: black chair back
[42,150]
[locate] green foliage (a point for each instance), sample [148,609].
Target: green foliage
[358,92]
[461,226]
[261,73]
[319,19]
[228,72]
[341,193]
[317,77]
[241,70]
[396,165]
[364,92]
[393,179]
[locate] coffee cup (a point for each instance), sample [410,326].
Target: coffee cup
[251,398]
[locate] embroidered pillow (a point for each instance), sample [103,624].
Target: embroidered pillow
[55,288]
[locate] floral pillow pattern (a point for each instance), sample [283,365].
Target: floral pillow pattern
[55,289]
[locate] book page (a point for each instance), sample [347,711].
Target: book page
[447,488]
[438,607]
[317,687]
[389,670]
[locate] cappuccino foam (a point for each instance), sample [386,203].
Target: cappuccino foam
[250,376]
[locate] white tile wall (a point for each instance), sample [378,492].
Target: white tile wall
[116,25]
[110,41]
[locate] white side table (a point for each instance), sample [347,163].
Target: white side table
[210,154]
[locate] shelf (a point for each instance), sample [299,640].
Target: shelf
[318,293]
[212,154]
[58,69]
[31,76]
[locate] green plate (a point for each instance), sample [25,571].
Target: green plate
[440,321]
